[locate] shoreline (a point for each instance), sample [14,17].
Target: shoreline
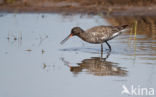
[106,11]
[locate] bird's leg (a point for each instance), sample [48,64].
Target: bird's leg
[109,46]
[101,50]
[108,54]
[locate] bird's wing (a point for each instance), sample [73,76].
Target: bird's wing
[96,29]
[116,29]
[104,29]
[99,32]
[105,32]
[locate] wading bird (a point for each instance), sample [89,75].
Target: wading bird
[97,34]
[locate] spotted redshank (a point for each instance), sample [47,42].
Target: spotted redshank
[97,34]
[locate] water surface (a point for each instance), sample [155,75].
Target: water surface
[34,64]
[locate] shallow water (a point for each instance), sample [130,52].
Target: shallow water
[34,64]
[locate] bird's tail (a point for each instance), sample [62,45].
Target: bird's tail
[124,26]
[119,30]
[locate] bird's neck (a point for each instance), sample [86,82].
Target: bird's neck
[82,35]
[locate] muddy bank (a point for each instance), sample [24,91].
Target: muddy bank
[105,7]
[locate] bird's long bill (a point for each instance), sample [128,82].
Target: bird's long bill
[64,40]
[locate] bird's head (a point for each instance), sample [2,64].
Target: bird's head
[76,31]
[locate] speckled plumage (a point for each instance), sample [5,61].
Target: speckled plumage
[97,34]
[100,34]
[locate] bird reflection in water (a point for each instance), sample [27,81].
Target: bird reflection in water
[97,66]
